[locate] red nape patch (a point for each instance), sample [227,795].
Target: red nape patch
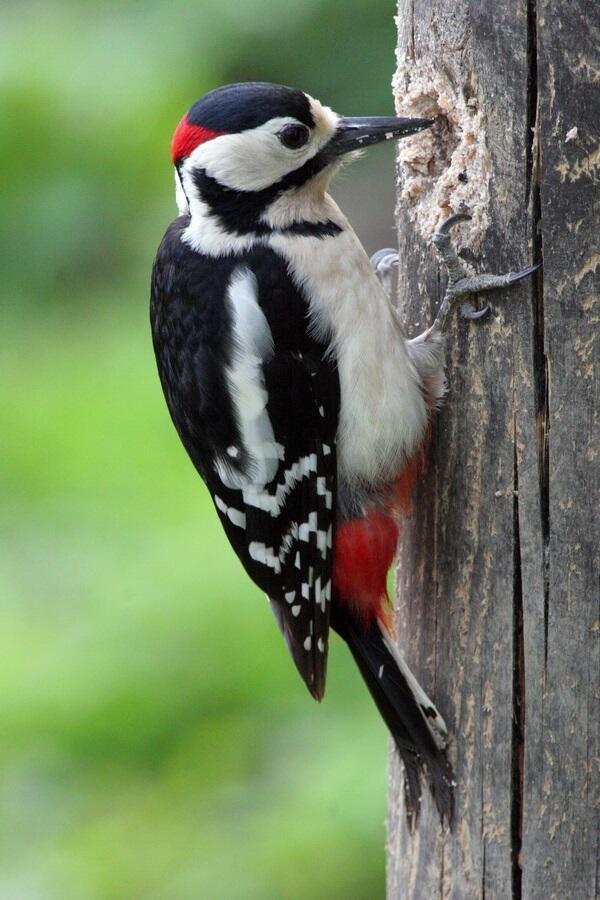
[187,137]
[363,553]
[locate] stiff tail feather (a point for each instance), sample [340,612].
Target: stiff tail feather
[416,726]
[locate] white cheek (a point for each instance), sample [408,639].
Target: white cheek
[243,162]
[249,161]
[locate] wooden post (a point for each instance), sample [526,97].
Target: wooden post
[496,595]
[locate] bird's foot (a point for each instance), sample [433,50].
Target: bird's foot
[460,284]
[384,262]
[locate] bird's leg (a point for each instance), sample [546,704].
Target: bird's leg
[384,262]
[460,284]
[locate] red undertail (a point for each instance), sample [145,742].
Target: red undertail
[364,549]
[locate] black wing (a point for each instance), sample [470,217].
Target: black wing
[272,478]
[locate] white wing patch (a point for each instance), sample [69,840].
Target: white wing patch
[253,345]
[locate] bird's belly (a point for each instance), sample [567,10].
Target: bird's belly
[383,415]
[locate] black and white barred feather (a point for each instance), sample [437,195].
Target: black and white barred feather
[261,430]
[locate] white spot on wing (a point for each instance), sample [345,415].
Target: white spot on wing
[322,543]
[287,541]
[304,532]
[306,527]
[220,504]
[264,555]
[235,516]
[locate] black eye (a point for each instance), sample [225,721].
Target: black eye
[294,136]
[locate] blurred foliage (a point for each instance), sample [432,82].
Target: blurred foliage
[156,740]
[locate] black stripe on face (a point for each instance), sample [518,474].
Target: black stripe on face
[312,229]
[239,107]
[239,212]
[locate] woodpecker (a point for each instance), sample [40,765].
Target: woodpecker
[293,387]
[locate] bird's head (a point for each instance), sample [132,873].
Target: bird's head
[242,146]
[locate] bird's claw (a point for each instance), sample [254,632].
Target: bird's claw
[515,277]
[383,254]
[468,311]
[448,223]
[460,284]
[384,262]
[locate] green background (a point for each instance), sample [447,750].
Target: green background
[155,739]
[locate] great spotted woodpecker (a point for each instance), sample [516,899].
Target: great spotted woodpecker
[293,387]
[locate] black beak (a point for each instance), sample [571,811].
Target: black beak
[354,133]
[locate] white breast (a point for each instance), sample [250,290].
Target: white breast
[383,415]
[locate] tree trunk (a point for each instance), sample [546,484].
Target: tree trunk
[496,595]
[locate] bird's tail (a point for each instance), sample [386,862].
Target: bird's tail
[416,726]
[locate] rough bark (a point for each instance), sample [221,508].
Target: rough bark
[497,592]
